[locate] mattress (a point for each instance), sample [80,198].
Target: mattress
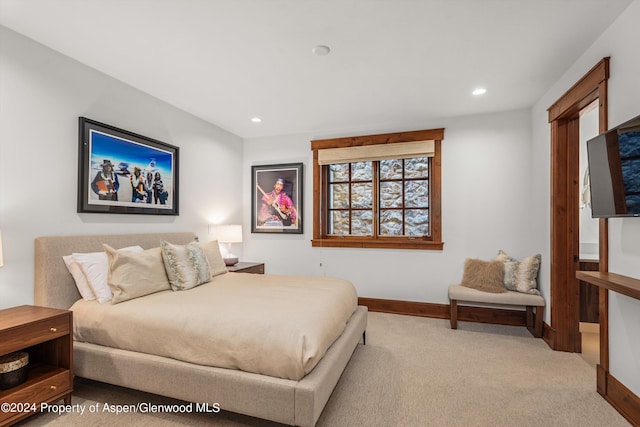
[274,325]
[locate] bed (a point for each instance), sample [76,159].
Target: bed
[290,401]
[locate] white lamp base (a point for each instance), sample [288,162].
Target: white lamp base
[231,261]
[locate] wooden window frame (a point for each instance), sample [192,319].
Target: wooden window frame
[320,194]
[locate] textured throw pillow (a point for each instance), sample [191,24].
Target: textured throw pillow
[503,256]
[521,276]
[216,262]
[510,266]
[95,267]
[484,276]
[186,265]
[526,273]
[135,274]
[79,277]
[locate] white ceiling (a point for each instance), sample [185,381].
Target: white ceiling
[392,62]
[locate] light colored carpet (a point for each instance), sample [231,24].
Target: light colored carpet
[414,372]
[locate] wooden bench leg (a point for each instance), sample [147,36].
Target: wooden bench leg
[530,318]
[539,321]
[454,314]
[534,323]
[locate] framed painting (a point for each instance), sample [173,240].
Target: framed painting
[276,198]
[123,172]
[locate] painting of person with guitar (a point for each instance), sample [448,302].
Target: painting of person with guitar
[277,208]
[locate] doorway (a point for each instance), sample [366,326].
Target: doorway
[564,118]
[589,254]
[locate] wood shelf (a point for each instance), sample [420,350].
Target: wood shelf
[614,282]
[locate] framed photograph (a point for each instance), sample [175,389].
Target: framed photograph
[276,201]
[123,172]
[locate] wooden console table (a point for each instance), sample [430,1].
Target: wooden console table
[620,397]
[589,301]
[614,282]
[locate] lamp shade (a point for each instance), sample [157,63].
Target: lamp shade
[1,249]
[228,233]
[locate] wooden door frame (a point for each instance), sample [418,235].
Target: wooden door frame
[564,333]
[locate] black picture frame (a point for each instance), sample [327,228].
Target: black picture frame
[285,214]
[110,162]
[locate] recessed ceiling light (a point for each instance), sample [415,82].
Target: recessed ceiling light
[479,91]
[256,119]
[321,50]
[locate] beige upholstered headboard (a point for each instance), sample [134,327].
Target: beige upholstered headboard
[54,286]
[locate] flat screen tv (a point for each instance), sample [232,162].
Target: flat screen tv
[614,171]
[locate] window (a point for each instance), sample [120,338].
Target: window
[378,191]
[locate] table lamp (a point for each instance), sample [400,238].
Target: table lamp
[228,234]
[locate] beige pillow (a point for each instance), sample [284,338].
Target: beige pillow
[135,274]
[484,276]
[186,265]
[216,262]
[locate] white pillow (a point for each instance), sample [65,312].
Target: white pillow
[95,267]
[78,276]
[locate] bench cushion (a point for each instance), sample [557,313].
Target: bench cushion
[462,293]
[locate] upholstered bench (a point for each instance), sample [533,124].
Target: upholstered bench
[470,295]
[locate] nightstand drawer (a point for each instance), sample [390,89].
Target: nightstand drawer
[29,396]
[33,333]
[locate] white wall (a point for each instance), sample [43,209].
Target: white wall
[42,94]
[620,43]
[486,206]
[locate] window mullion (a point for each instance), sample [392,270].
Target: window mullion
[349,195]
[376,198]
[404,201]
[324,200]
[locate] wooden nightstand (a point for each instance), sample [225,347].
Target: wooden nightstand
[247,267]
[45,334]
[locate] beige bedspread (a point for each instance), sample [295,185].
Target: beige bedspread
[274,325]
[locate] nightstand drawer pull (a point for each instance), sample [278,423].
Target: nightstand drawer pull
[54,329]
[53,387]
